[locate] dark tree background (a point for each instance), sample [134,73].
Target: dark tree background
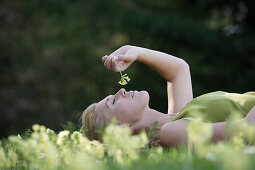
[50,52]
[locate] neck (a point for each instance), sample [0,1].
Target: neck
[150,116]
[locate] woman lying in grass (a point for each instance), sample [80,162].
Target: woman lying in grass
[132,108]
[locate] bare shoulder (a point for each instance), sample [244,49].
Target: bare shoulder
[173,133]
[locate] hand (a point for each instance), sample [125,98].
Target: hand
[120,59]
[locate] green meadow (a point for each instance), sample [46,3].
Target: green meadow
[42,148]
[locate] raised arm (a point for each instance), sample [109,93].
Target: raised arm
[174,70]
[176,73]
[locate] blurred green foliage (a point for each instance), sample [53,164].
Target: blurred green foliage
[42,148]
[50,52]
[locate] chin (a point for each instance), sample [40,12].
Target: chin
[146,94]
[146,97]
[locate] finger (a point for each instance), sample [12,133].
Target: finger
[122,64]
[105,64]
[104,58]
[115,66]
[110,63]
[121,58]
[106,61]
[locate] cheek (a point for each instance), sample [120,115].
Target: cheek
[121,108]
[124,112]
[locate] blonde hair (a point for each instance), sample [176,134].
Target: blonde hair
[92,122]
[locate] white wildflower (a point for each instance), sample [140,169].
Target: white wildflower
[41,155]
[210,157]
[61,137]
[249,150]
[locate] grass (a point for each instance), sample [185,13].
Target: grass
[42,148]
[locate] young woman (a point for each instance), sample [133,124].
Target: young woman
[132,109]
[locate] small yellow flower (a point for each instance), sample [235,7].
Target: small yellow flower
[124,79]
[36,127]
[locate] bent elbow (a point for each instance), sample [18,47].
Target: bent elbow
[185,65]
[163,140]
[173,134]
[167,136]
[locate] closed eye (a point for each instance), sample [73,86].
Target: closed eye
[113,101]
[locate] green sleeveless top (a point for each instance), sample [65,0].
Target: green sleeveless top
[217,106]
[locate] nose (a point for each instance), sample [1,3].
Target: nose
[121,92]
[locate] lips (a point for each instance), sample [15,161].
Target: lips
[132,93]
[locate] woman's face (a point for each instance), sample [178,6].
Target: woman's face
[127,107]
